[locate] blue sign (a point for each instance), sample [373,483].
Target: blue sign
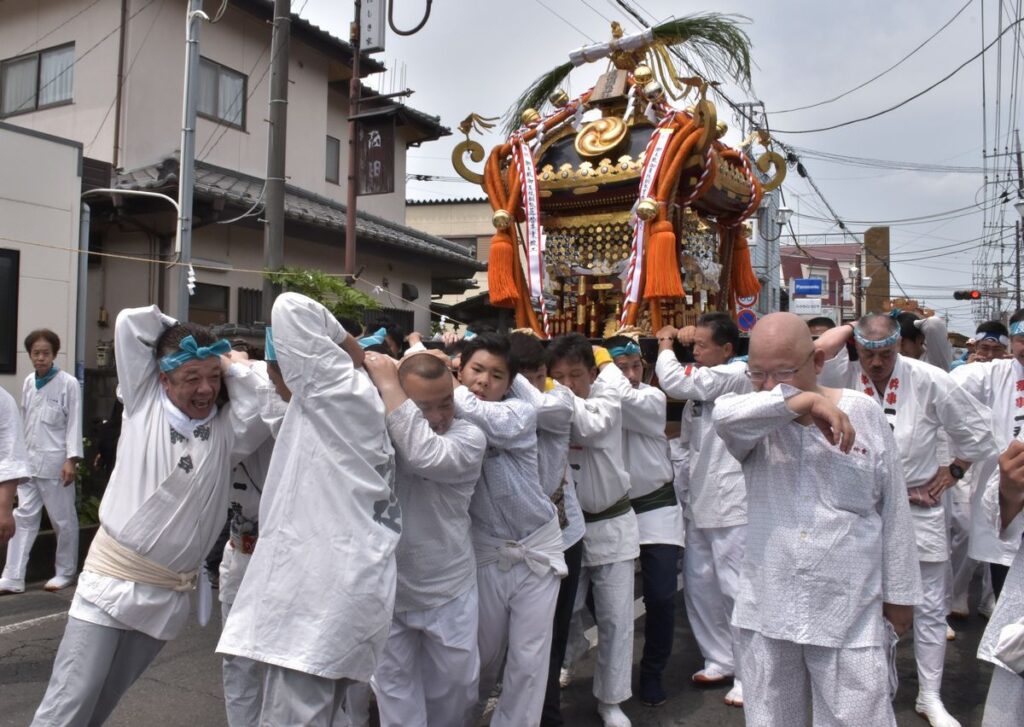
[746,319]
[808,286]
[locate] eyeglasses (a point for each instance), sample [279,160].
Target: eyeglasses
[782,377]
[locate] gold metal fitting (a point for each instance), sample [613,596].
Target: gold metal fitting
[501,219]
[653,91]
[558,98]
[720,129]
[643,75]
[647,209]
[530,116]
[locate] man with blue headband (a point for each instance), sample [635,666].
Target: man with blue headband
[659,517]
[919,401]
[160,515]
[999,384]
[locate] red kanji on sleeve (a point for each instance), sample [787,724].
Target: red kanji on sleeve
[1020,401]
[1020,385]
[891,398]
[869,392]
[894,384]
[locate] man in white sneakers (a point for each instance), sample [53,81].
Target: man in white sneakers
[51,402]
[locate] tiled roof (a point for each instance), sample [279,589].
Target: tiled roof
[239,189]
[446,200]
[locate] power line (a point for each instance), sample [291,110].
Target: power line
[887,70]
[905,101]
[42,37]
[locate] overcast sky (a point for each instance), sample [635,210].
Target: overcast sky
[478,55]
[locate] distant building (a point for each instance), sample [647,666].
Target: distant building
[830,263]
[108,75]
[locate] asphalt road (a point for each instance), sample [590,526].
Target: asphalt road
[182,688]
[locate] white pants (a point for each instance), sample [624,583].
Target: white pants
[95,666]
[1004,706]
[429,671]
[930,627]
[517,609]
[59,502]
[612,585]
[711,574]
[296,699]
[962,565]
[242,685]
[795,685]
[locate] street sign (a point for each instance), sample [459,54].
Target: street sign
[372,24]
[746,319]
[746,301]
[805,306]
[808,286]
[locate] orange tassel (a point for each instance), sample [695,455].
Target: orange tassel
[743,281]
[662,278]
[500,277]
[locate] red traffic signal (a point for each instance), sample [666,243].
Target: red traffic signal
[966,294]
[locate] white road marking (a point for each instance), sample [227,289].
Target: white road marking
[22,625]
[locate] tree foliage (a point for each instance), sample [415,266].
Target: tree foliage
[331,291]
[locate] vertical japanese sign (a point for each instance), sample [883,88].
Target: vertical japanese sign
[376,144]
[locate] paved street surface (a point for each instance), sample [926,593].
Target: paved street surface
[182,688]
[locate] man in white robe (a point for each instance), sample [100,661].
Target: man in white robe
[999,384]
[920,401]
[51,402]
[645,454]
[554,405]
[829,556]
[716,499]
[243,677]
[14,466]
[1003,641]
[161,513]
[428,673]
[516,536]
[316,601]
[611,541]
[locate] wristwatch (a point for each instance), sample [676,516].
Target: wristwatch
[956,471]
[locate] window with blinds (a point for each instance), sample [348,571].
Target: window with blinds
[37,80]
[221,93]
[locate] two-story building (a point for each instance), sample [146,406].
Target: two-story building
[108,75]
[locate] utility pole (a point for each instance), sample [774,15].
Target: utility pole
[353,145]
[273,230]
[187,163]
[1017,229]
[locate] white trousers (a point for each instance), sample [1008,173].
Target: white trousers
[962,565]
[94,667]
[1004,706]
[795,685]
[517,609]
[930,627]
[296,699]
[429,671]
[59,502]
[243,685]
[711,574]
[612,586]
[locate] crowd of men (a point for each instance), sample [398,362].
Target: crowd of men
[432,524]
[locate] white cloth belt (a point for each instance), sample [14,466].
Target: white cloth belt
[541,550]
[107,557]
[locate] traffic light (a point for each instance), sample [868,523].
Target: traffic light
[966,294]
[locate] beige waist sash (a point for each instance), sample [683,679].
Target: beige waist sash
[107,557]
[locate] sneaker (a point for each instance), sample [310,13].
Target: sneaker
[9,586]
[711,676]
[950,633]
[735,696]
[612,715]
[58,583]
[651,692]
[930,707]
[565,676]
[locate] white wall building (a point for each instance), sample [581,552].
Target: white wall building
[40,184]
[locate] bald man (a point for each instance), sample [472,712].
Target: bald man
[920,402]
[830,549]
